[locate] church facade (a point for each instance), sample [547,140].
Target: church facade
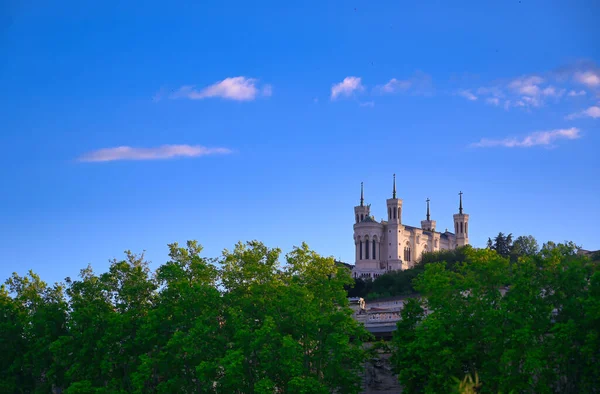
[390,245]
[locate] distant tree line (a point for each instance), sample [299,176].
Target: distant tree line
[239,324]
[400,283]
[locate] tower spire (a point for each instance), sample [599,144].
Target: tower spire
[362,196]
[428,216]
[394,192]
[460,210]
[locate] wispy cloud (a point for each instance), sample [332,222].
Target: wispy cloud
[467,94]
[419,83]
[158,153]
[535,91]
[368,104]
[528,86]
[590,78]
[538,138]
[395,85]
[235,88]
[591,112]
[347,87]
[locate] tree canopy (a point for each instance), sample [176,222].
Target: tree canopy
[539,334]
[242,323]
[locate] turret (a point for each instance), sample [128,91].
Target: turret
[461,225]
[361,211]
[428,224]
[394,208]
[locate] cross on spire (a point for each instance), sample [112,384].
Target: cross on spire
[460,210]
[428,216]
[394,192]
[362,196]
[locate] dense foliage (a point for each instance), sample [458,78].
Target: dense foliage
[248,326]
[541,336]
[399,283]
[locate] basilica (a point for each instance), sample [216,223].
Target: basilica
[390,245]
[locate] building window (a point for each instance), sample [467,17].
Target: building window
[398,213]
[362,217]
[456,227]
[360,247]
[357,218]
[461,227]
[367,249]
[394,213]
[407,253]
[374,257]
[390,213]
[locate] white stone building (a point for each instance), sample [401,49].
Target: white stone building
[391,245]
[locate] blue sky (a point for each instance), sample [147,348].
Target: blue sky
[239,121]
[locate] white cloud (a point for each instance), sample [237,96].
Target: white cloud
[493,101]
[551,91]
[539,138]
[395,85]
[573,93]
[235,88]
[158,153]
[467,94]
[588,78]
[345,88]
[368,104]
[528,86]
[591,112]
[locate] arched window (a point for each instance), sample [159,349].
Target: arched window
[394,213]
[367,249]
[360,247]
[407,255]
[467,228]
[456,227]
[389,213]
[461,227]
[362,217]
[357,218]
[374,257]
[398,213]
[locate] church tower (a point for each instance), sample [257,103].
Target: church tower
[394,224]
[361,211]
[461,225]
[428,224]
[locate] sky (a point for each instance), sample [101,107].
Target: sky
[132,125]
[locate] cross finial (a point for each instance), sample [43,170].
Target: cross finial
[460,206]
[362,196]
[428,216]
[394,192]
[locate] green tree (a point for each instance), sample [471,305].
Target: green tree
[502,244]
[289,329]
[541,336]
[182,332]
[39,313]
[524,245]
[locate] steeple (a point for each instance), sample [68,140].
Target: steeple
[461,225]
[394,191]
[428,224]
[362,196]
[361,211]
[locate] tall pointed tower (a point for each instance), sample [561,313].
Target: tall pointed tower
[461,225]
[428,224]
[361,211]
[394,208]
